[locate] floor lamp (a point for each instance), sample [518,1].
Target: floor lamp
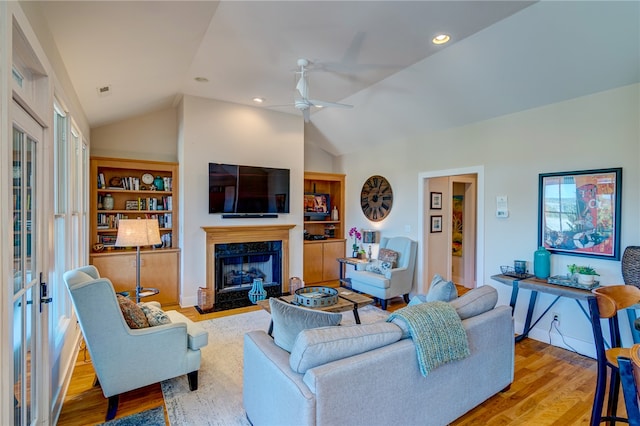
[137,233]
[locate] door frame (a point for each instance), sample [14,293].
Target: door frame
[423,221]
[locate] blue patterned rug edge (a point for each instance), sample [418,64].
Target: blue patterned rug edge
[151,417]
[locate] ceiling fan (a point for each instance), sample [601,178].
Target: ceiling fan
[303,103]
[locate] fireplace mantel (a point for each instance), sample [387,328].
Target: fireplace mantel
[245,234]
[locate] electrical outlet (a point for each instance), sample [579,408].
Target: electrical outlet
[556,318]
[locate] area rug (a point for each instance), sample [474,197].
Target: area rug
[218,400]
[152,417]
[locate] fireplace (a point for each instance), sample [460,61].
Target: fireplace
[238,255]
[238,264]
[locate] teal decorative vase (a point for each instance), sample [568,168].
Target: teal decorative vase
[257,291]
[158,182]
[542,263]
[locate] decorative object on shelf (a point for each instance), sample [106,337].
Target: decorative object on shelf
[316,297]
[334,213]
[159,183]
[568,281]
[116,182]
[376,198]
[520,266]
[257,291]
[588,222]
[584,275]
[138,233]
[107,202]
[542,263]
[357,236]
[98,247]
[147,178]
[510,272]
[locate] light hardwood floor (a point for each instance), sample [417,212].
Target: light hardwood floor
[552,386]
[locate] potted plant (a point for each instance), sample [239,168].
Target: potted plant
[357,236]
[583,274]
[361,253]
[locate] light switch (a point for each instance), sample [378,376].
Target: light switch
[502,206]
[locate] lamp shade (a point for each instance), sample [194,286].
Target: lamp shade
[137,233]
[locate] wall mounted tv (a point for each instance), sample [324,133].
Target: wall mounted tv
[248,190]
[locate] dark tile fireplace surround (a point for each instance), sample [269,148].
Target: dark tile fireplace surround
[238,254]
[238,264]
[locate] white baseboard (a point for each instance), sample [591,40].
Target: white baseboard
[580,346]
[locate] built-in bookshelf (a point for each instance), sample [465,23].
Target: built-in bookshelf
[131,189]
[319,255]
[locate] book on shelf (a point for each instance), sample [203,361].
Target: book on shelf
[101,182]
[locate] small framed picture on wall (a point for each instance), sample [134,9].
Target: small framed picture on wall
[436,201]
[436,223]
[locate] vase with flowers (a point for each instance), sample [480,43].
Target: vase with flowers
[357,236]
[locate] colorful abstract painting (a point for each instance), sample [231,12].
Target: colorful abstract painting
[456,225]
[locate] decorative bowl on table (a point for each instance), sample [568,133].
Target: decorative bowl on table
[316,297]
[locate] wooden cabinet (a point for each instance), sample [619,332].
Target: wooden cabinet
[158,269]
[320,265]
[130,189]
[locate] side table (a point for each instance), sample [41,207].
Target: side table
[536,285]
[143,292]
[353,261]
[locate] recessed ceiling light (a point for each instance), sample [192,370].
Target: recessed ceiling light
[258,100]
[441,39]
[201,79]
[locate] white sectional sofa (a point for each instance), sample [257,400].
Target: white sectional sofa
[382,386]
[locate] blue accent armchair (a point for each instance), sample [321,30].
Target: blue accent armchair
[394,282]
[123,358]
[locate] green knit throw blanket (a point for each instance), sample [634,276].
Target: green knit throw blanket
[437,332]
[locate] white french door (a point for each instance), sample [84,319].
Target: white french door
[30,342]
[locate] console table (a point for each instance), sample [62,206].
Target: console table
[542,286]
[343,261]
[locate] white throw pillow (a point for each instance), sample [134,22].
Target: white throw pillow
[378,266]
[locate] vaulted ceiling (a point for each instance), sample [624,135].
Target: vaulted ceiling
[504,56]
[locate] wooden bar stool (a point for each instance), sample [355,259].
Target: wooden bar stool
[610,300]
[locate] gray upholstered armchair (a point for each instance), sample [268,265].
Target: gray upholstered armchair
[124,358]
[386,284]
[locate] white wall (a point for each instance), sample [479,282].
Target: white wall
[597,131]
[214,131]
[150,137]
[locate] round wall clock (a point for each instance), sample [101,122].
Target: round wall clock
[376,198]
[147,178]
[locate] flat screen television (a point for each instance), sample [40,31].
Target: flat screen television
[237,189]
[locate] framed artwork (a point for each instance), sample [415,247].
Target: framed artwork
[316,203]
[579,212]
[436,223]
[436,201]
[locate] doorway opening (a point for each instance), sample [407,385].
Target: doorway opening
[455,248]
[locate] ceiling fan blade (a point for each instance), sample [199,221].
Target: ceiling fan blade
[305,114]
[302,87]
[328,104]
